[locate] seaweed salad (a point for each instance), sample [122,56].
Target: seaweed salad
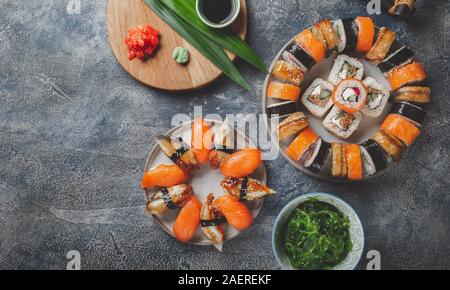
[317,236]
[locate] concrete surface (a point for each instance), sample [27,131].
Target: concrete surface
[75,130]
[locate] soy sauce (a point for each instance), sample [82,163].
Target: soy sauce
[218,11]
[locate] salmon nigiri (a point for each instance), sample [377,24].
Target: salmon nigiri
[187,220]
[241,163]
[164,175]
[235,212]
[201,141]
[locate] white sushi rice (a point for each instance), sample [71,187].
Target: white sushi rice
[336,75]
[368,165]
[330,125]
[338,27]
[312,152]
[316,110]
[381,100]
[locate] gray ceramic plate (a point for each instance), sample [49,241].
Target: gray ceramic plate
[204,181]
[356,231]
[367,128]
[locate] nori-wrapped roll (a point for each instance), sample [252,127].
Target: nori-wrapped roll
[410,111]
[379,158]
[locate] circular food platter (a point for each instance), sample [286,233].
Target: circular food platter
[203,180]
[160,71]
[306,94]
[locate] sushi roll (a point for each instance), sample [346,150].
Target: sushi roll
[350,95]
[317,157]
[341,123]
[330,35]
[347,33]
[416,95]
[366,33]
[282,91]
[317,98]
[338,160]
[345,67]
[406,75]
[368,165]
[377,98]
[309,42]
[282,109]
[399,58]
[413,113]
[375,159]
[288,72]
[382,45]
[292,125]
[354,162]
[301,144]
[400,129]
[294,53]
[391,147]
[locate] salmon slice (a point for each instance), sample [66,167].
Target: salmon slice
[301,144]
[235,212]
[164,175]
[410,73]
[201,140]
[354,162]
[187,220]
[311,44]
[366,34]
[400,128]
[281,91]
[241,163]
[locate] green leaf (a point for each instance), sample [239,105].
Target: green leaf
[204,45]
[225,37]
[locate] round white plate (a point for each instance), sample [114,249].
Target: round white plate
[204,181]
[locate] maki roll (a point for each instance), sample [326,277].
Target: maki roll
[282,109]
[288,72]
[301,144]
[354,162]
[294,53]
[330,37]
[400,129]
[377,98]
[350,95]
[401,57]
[345,67]
[347,33]
[292,125]
[309,42]
[341,123]
[366,33]
[413,113]
[406,75]
[338,160]
[282,91]
[382,45]
[317,157]
[317,98]
[374,158]
[391,147]
[416,95]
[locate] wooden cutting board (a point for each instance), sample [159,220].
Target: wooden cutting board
[161,71]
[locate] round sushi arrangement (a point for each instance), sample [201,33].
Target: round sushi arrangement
[347,99]
[204,192]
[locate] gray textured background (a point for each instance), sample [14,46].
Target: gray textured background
[75,130]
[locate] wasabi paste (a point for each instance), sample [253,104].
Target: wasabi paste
[181,55]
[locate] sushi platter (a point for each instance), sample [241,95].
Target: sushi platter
[345,100]
[205,184]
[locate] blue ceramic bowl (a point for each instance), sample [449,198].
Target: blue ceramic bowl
[356,231]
